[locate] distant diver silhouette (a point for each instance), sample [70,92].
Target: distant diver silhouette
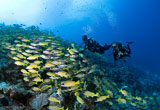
[94,46]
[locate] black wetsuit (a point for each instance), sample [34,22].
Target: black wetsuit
[121,51]
[94,46]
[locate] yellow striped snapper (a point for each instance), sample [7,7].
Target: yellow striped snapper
[55,68]
[62,74]
[18,45]
[34,75]
[44,57]
[32,47]
[29,51]
[90,94]
[43,44]
[19,63]
[45,87]
[13,49]
[32,71]
[48,65]
[16,58]
[36,89]
[51,74]
[37,62]
[33,65]
[26,54]
[69,83]
[38,79]
[21,56]
[53,99]
[102,98]
[33,57]
[25,40]
[33,44]
[47,52]
[55,108]
[57,62]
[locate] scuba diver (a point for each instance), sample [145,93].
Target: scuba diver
[94,46]
[120,51]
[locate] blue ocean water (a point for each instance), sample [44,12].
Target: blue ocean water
[112,20]
[106,21]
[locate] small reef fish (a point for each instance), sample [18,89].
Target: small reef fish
[33,65]
[29,51]
[31,83]
[63,66]
[45,87]
[133,104]
[125,93]
[48,65]
[44,57]
[90,94]
[18,45]
[43,44]
[33,44]
[47,80]
[25,40]
[59,91]
[25,61]
[121,100]
[33,57]
[19,63]
[38,79]
[16,58]
[32,71]
[36,89]
[32,47]
[138,98]
[55,68]
[21,56]
[34,75]
[51,74]
[13,52]
[47,52]
[84,69]
[57,62]
[17,41]
[80,100]
[26,54]
[26,79]
[37,62]
[109,92]
[69,83]
[13,49]
[62,74]
[80,75]
[144,101]
[70,51]
[54,99]
[24,71]
[55,108]
[24,45]
[102,98]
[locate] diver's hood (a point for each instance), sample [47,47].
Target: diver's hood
[114,44]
